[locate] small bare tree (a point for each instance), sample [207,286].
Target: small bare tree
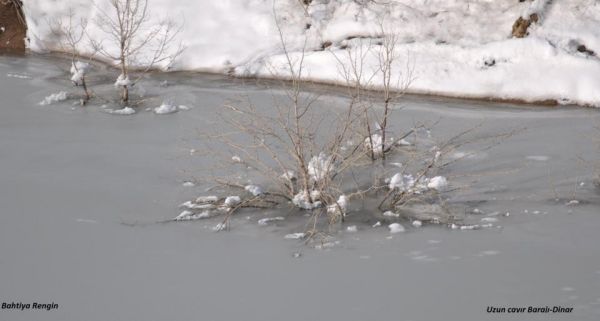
[351,68]
[71,35]
[134,41]
[386,58]
[384,85]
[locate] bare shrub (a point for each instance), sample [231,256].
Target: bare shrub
[304,155]
[71,35]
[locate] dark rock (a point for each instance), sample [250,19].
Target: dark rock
[585,50]
[519,29]
[489,62]
[326,44]
[534,17]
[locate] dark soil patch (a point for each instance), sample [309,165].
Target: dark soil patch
[13,28]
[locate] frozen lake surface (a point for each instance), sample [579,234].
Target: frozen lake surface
[80,189]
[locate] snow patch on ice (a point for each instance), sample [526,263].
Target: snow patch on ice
[122,81]
[390,214]
[18,76]
[340,207]
[326,245]
[254,190]
[123,111]
[374,144]
[232,201]
[266,221]
[78,71]
[169,108]
[289,175]
[53,98]
[403,142]
[197,206]
[187,215]
[166,108]
[489,219]
[207,199]
[303,200]
[219,227]
[573,203]
[295,236]
[320,167]
[396,228]
[401,182]
[438,183]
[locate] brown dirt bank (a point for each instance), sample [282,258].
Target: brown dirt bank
[13,28]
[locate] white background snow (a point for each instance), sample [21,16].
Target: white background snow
[452,47]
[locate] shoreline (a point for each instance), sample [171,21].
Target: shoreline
[331,85]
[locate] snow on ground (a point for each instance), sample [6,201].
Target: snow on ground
[449,47]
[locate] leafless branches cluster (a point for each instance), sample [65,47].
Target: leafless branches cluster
[138,42]
[131,40]
[308,156]
[320,159]
[72,33]
[304,159]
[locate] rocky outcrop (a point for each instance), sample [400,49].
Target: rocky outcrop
[519,29]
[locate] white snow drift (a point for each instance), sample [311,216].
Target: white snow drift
[450,47]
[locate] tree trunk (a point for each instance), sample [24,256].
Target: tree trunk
[87,96]
[125,75]
[125,95]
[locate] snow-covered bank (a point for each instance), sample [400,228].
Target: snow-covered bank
[449,47]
